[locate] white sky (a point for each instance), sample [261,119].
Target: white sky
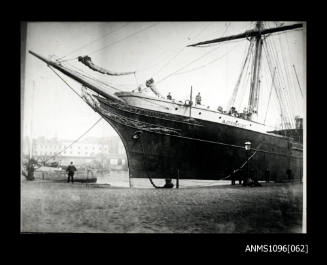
[52,109]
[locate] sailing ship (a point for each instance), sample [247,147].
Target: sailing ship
[165,138]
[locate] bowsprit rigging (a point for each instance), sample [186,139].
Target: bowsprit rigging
[189,139]
[86,60]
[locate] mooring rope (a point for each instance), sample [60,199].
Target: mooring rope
[236,170]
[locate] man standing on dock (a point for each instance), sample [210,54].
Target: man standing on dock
[71,171]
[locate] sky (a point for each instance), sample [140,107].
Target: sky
[152,49]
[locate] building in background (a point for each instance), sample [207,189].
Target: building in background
[108,153]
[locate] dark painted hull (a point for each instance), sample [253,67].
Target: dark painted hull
[169,146]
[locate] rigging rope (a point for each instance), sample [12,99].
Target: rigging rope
[65,82]
[158,62]
[277,80]
[197,59]
[287,77]
[201,32]
[178,52]
[213,44]
[170,60]
[282,100]
[232,100]
[83,133]
[191,61]
[272,83]
[111,32]
[247,161]
[286,96]
[289,52]
[128,36]
[79,72]
[298,81]
[75,140]
[245,84]
[205,65]
[93,77]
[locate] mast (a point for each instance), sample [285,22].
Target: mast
[256,35]
[248,34]
[254,89]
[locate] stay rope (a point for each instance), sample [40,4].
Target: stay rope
[80,72]
[84,132]
[277,86]
[236,88]
[270,92]
[128,36]
[205,65]
[193,61]
[247,161]
[285,97]
[205,54]
[80,48]
[179,51]
[75,141]
[65,82]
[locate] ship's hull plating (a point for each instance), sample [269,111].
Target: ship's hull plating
[170,146]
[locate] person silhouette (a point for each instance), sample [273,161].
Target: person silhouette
[198,99]
[71,171]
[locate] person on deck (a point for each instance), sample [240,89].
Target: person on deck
[244,114]
[71,171]
[245,111]
[169,96]
[198,99]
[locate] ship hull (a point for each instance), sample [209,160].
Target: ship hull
[166,145]
[160,145]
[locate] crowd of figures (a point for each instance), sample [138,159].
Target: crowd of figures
[245,114]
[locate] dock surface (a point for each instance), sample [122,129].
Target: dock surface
[106,208]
